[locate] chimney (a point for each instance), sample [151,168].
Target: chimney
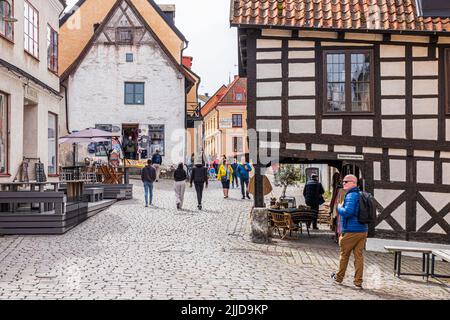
[207,94]
[187,62]
[96,25]
[169,12]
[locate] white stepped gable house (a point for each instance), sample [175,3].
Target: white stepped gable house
[368,98]
[126,80]
[29,86]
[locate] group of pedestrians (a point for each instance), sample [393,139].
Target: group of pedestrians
[197,176]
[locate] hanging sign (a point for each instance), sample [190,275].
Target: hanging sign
[350,157]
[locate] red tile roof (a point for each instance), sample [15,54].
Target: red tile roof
[335,14]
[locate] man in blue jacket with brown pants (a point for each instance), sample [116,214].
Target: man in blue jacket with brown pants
[354,233]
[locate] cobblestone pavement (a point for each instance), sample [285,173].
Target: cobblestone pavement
[132,252]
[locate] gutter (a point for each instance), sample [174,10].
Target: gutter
[66,107]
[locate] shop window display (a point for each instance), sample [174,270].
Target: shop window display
[156,139]
[52,147]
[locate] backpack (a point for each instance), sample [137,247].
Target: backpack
[365,214]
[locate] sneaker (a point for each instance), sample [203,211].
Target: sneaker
[146,205]
[358,286]
[243,198]
[248,197]
[178,206]
[199,207]
[334,278]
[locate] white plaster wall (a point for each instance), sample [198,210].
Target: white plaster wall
[332,126]
[399,215]
[301,54]
[302,126]
[302,70]
[301,44]
[268,108]
[393,69]
[423,153]
[393,106]
[268,125]
[295,146]
[421,87]
[267,44]
[425,68]
[362,128]
[397,170]
[392,87]
[397,152]
[426,129]
[425,106]
[302,88]
[268,70]
[268,55]
[425,171]
[446,173]
[276,33]
[372,150]
[96,93]
[306,107]
[377,170]
[393,128]
[447,129]
[268,89]
[319,147]
[392,51]
[420,52]
[350,149]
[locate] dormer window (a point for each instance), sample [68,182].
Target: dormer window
[433,8]
[124,35]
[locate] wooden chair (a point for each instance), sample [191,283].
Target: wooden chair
[283,221]
[110,176]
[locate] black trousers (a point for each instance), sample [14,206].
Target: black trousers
[315,208]
[244,187]
[199,190]
[235,180]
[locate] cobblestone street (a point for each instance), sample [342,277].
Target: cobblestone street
[132,252]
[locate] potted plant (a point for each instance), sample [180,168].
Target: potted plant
[287,175]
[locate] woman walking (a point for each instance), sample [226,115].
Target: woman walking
[225,175]
[180,176]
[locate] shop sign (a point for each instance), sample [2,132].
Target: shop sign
[31,94]
[225,123]
[350,157]
[135,163]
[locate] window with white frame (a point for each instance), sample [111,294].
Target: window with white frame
[52,49]
[52,143]
[7,28]
[31,30]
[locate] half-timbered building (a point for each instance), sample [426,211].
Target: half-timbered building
[363,85]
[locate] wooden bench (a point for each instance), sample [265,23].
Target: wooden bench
[94,194]
[52,199]
[397,250]
[445,256]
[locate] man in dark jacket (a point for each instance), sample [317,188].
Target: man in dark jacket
[157,162]
[313,192]
[354,233]
[148,176]
[199,177]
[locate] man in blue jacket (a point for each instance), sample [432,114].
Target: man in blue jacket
[243,172]
[354,234]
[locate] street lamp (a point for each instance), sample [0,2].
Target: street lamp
[5,12]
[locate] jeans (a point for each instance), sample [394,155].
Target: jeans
[244,187]
[148,191]
[199,190]
[235,181]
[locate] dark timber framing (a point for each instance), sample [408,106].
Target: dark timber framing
[381,150]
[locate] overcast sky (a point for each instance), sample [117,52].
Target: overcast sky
[212,43]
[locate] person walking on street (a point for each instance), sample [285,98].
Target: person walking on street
[199,177]
[225,175]
[354,234]
[243,172]
[157,162]
[234,166]
[148,176]
[180,176]
[190,164]
[313,193]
